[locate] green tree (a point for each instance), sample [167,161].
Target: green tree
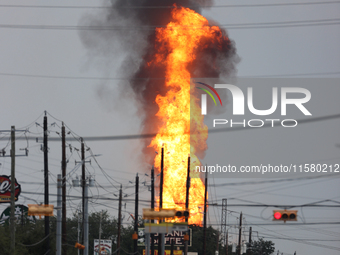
[262,247]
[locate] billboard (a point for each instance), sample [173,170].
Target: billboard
[105,247]
[5,189]
[176,236]
[20,214]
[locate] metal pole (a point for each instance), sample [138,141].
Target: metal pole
[12,218]
[58,238]
[226,251]
[161,236]
[47,218]
[83,183]
[239,236]
[172,247]
[86,223]
[63,174]
[187,203]
[152,206]
[119,219]
[147,244]
[205,214]
[136,214]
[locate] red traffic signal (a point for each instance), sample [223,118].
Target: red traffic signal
[285,215]
[79,246]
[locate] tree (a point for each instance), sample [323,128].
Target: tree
[262,247]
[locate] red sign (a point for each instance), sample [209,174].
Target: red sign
[5,189]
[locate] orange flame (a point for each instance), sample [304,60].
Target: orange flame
[177,45]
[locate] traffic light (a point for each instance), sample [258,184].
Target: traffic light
[79,246]
[285,215]
[151,214]
[184,213]
[40,210]
[135,236]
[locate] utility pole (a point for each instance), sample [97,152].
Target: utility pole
[13,181]
[172,247]
[136,214]
[63,174]
[12,218]
[152,206]
[161,236]
[47,218]
[187,202]
[79,228]
[83,183]
[86,221]
[59,205]
[249,248]
[239,236]
[205,214]
[226,241]
[100,231]
[119,220]
[224,220]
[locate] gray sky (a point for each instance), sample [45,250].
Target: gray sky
[41,70]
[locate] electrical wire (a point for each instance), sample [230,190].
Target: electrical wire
[169,6]
[282,24]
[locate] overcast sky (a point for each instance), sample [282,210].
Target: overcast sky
[48,68]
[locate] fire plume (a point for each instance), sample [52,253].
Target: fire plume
[177,45]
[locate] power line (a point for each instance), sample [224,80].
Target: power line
[167,7]
[298,23]
[216,130]
[147,78]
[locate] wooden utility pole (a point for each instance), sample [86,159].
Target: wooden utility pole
[47,218]
[239,236]
[249,251]
[13,182]
[83,183]
[136,214]
[161,236]
[205,213]
[224,220]
[187,202]
[152,206]
[119,219]
[12,218]
[63,190]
